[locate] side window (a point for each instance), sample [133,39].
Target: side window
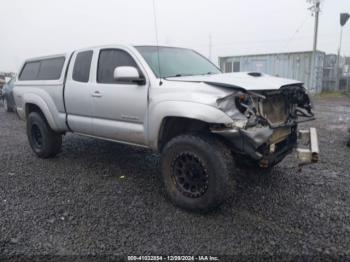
[108,60]
[30,71]
[50,69]
[81,70]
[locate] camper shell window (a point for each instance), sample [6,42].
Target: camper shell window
[45,69]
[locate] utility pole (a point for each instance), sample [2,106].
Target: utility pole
[338,71]
[315,10]
[210,47]
[344,17]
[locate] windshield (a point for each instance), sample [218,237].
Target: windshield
[176,62]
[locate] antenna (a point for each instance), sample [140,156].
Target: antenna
[210,47]
[156,30]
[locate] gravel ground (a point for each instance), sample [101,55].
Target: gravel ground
[98,198]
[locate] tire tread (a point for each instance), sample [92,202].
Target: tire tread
[219,152]
[54,139]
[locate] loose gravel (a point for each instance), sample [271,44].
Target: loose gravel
[98,198]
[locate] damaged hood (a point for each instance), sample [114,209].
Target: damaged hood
[243,80]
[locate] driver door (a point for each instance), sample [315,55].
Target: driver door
[119,108]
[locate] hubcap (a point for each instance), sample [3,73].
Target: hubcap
[190,175]
[37,136]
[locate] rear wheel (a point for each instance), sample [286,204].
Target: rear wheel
[43,140]
[196,171]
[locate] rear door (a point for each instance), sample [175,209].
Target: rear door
[120,108]
[77,93]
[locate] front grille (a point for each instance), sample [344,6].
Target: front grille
[274,109]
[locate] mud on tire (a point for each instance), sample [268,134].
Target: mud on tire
[196,171]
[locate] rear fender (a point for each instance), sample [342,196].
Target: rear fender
[48,109]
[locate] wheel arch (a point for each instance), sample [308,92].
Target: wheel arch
[179,118]
[174,126]
[36,103]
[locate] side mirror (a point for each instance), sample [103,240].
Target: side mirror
[128,74]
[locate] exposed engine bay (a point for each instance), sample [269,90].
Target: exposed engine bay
[265,122]
[273,108]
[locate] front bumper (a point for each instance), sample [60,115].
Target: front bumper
[267,147]
[308,149]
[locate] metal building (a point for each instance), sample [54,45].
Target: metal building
[344,84]
[330,73]
[296,65]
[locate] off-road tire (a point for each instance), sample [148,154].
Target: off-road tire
[44,142]
[217,161]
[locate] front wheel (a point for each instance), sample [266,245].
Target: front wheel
[196,171]
[43,140]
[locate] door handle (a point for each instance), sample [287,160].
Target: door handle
[96,94]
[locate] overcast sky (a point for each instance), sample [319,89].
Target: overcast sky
[32,28]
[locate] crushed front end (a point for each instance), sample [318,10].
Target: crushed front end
[265,125]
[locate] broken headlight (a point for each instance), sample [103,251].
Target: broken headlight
[239,107]
[245,104]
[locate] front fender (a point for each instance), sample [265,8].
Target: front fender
[202,112]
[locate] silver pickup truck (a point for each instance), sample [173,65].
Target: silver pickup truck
[174,101]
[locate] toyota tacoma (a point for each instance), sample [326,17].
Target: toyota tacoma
[174,101]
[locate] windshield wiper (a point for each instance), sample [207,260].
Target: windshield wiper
[177,75]
[180,75]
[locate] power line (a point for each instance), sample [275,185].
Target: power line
[297,31]
[323,36]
